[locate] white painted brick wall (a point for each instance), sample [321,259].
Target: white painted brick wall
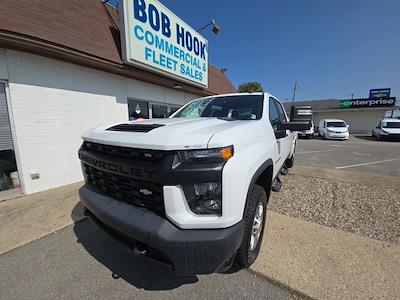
[54,102]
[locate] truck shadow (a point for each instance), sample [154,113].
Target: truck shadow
[141,272]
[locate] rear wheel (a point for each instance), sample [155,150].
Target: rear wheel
[254,218]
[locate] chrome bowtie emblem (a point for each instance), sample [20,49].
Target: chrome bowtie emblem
[148,155]
[146,192]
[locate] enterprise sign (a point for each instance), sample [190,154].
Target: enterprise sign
[356,103]
[155,39]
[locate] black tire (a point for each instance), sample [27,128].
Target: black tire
[246,255]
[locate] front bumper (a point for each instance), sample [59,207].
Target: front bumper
[339,136]
[189,251]
[391,136]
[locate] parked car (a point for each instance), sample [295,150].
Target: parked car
[309,133]
[333,129]
[387,128]
[191,190]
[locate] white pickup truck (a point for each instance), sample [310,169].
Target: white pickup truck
[191,190]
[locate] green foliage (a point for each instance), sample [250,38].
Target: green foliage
[250,87]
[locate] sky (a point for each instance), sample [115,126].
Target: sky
[332,48]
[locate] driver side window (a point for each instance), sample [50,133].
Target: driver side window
[276,113]
[273,114]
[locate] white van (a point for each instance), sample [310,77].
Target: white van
[309,133]
[333,129]
[388,128]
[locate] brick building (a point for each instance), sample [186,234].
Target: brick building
[61,73]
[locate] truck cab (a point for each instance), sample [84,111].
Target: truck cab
[191,190]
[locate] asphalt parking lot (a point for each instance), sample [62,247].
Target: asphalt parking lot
[99,267]
[360,153]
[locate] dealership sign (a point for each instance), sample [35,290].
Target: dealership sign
[357,103]
[155,39]
[379,93]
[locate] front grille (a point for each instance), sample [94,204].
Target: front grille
[139,193]
[131,153]
[393,136]
[135,127]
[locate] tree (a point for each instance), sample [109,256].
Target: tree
[250,87]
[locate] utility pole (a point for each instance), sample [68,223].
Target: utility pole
[294,90]
[352,96]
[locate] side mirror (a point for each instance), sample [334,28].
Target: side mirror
[280,133]
[294,125]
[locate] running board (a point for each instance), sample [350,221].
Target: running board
[277,185]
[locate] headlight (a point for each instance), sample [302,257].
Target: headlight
[204,198]
[206,155]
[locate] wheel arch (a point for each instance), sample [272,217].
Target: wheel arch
[263,177]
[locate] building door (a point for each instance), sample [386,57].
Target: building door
[8,168]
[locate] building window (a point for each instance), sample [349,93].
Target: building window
[159,111]
[141,109]
[173,109]
[138,109]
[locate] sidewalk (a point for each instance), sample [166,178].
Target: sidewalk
[31,217]
[312,259]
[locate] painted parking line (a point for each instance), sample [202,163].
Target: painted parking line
[315,151]
[368,163]
[347,146]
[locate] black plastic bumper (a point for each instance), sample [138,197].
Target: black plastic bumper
[190,251]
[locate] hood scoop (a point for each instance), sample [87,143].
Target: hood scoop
[135,127]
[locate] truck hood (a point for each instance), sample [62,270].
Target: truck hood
[174,134]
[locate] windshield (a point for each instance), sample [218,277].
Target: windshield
[390,124]
[246,107]
[335,124]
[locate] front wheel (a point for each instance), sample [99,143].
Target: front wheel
[254,218]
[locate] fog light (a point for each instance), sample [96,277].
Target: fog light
[204,198]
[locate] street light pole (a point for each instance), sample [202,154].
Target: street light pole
[215,28]
[294,90]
